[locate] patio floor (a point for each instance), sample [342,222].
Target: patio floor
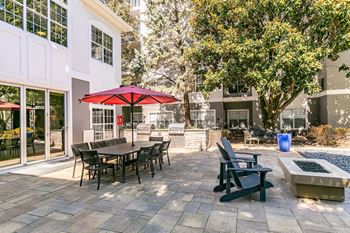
[177,199]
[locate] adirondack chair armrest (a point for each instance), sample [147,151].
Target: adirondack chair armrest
[247,153]
[245,159]
[260,170]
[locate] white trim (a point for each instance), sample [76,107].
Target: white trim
[108,14]
[292,109]
[237,110]
[150,112]
[205,110]
[331,92]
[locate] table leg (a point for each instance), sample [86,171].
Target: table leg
[123,170]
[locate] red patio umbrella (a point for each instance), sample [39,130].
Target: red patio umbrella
[129,95]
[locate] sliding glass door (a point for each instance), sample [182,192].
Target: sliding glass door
[10,125]
[57,124]
[36,126]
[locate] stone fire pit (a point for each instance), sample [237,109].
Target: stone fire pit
[315,178]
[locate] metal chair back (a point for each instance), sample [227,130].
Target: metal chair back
[155,139]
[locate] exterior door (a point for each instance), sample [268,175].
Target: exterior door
[35,124]
[57,130]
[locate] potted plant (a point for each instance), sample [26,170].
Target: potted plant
[284,141]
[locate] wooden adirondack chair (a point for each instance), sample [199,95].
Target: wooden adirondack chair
[246,180]
[228,147]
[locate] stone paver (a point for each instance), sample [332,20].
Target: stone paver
[178,199]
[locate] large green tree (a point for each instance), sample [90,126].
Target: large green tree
[169,36]
[275,46]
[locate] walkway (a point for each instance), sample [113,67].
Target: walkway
[177,199]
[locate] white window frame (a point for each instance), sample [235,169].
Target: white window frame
[103,123]
[293,109]
[135,3]
[103,48]
[236,110]
[157,112]
[203,110]
[64,6]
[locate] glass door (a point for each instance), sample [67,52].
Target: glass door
[10,121]
[57,124]
[36,127]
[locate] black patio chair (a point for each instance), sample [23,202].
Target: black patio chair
[111,142]
[246,180]
[144,157]
[99,144]
[121,140]
[93,163]
[165,150]
[155,139]
[228,147]
[157,154]
[77,154]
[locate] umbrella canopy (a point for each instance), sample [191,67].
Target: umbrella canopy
[129,95]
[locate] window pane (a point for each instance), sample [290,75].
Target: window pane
[58,24]
[10,120]
[57,124]
[101,46]
[35,125]
[238,119]
[103,123]
[11,11]
[36,23]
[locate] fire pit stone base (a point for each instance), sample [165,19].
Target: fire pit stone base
[328,185]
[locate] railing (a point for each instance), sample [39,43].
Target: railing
[228,94]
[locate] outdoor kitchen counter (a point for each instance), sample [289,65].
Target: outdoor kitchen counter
[191,140]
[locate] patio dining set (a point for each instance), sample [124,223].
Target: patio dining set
[118,154]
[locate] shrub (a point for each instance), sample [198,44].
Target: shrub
[326,135]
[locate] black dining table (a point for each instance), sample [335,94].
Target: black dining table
[123,150]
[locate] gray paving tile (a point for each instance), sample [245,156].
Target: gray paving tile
[160,224]
[193,220]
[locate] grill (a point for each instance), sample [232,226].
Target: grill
[177,129]
[144,129]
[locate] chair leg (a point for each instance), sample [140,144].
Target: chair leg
[138,173]
[113,168]
[152,168]
[167,154]
[82,174]
[160,163]
[75,164]
[98,179]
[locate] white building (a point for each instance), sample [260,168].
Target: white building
[52,52]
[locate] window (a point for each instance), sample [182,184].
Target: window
[236,90]
[37,17]
[101,46]
[160,119]
[203,118]
[238,118]
[58,24]
[135,3]
[293,119]
[11,11]
[103,123]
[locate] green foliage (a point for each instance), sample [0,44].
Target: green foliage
[168,38]
[275,46]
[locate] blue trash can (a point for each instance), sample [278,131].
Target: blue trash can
[284,141]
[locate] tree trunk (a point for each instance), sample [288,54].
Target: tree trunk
[187,112]
[269,116]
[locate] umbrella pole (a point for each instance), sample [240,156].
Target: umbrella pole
[132,125]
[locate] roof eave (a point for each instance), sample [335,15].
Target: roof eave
[108,14]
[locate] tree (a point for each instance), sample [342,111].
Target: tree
[165,45]
[275,46]
[131,58]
